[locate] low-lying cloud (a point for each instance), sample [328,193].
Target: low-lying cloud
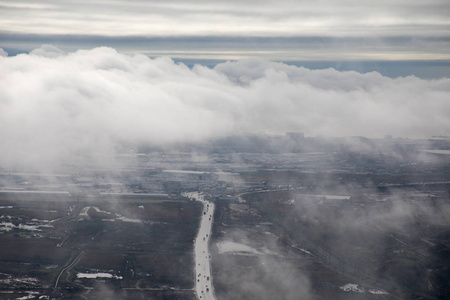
[57,106]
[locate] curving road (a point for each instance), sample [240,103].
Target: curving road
[66,268]
[203,279]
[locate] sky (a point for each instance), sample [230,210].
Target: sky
[296,30]
[80,78]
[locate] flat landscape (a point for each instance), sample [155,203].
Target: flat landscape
[232,225]
[287,244]
[77,248]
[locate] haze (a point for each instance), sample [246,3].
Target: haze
[91,101]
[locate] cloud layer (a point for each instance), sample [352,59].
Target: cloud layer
[56,106]
[285,31]
[251,18]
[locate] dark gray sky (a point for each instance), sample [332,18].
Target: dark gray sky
[324,30]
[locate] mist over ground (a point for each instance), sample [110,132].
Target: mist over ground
[58,107]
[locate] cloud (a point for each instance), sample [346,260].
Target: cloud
[59,107]
[258,269]
[201,17]
[287,31]
[47,50]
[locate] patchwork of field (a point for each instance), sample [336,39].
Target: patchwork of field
[118,247]
[297,244]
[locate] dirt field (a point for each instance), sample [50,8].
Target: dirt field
[375,245]
[130,248]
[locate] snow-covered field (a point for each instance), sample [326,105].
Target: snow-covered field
[8,226]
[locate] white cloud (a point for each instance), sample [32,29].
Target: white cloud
[56,107]
[46,50]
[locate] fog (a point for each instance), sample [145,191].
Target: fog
[58,107]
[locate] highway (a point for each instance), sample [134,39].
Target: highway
[203,278]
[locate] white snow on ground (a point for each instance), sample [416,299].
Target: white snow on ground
[114,217]
[352,287]
[378,292]
[8,226]
[84,212]
[37,220]
[14,280]
[125,219]
[31,295]
[227,247]
[97,275]
[28,227]
[46,226]
[27,280]
[203,279]
[241,249]
[305,251]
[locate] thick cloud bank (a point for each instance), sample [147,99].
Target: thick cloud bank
[56,105]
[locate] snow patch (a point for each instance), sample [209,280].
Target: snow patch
[228,246]
[8,226]
[352,287]
[84,212]
[378,292]
[305,251]
[28,227]
[98,275]
[11,280]
[31,295]
[125,219]
[114,216]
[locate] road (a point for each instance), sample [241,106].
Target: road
[203,278]
[68,267]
